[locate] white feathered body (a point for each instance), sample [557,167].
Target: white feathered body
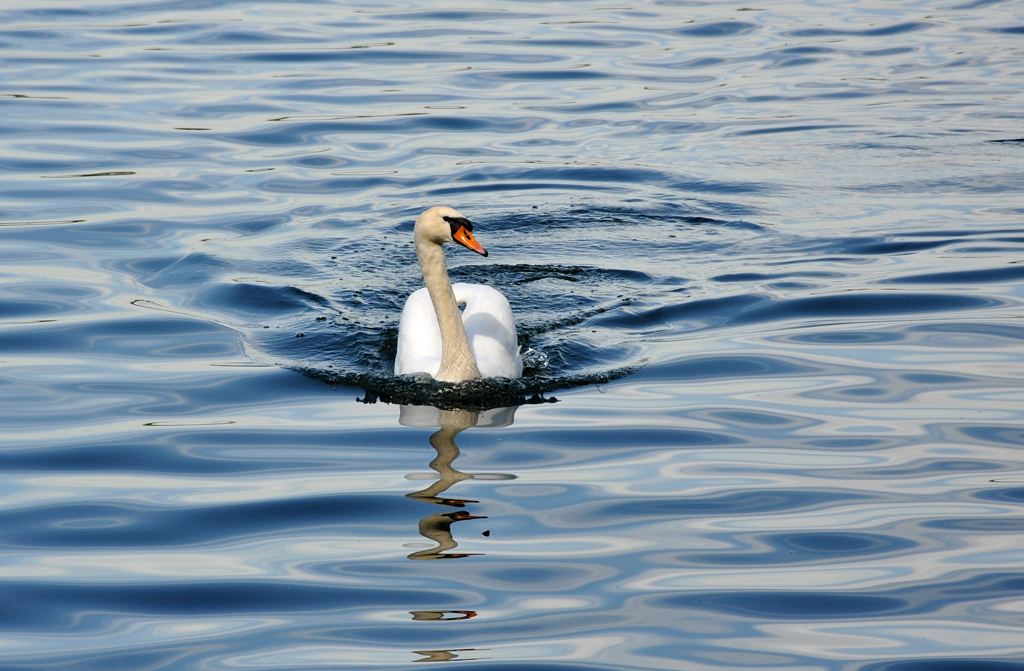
[490,328]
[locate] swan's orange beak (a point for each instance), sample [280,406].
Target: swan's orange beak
[466,239]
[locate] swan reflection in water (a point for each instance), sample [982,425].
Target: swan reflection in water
[438,527]
[445,655]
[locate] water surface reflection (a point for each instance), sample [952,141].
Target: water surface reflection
[801,222]
[438,527]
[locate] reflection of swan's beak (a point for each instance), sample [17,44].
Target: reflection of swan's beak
[446,520]
[466,239]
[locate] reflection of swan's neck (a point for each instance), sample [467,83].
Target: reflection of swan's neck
[452,423]
[457,362]
[456,420]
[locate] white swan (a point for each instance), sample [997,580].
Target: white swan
[433,337]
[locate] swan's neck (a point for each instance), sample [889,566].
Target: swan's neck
[457,362]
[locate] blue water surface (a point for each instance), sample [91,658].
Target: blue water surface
[768,261]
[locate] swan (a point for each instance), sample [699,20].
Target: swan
[433,336]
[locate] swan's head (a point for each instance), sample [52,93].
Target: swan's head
[443,224]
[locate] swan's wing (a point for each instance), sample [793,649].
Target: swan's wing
[419,337]
[491,329]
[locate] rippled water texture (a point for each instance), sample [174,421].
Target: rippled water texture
[767,259]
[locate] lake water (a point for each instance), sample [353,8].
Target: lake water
[768,259]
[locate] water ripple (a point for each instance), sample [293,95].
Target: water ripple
[764,261]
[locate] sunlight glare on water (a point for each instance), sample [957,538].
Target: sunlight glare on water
[766,260]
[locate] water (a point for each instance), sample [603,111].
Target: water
[767,258]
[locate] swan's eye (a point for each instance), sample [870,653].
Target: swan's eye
[458,222]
